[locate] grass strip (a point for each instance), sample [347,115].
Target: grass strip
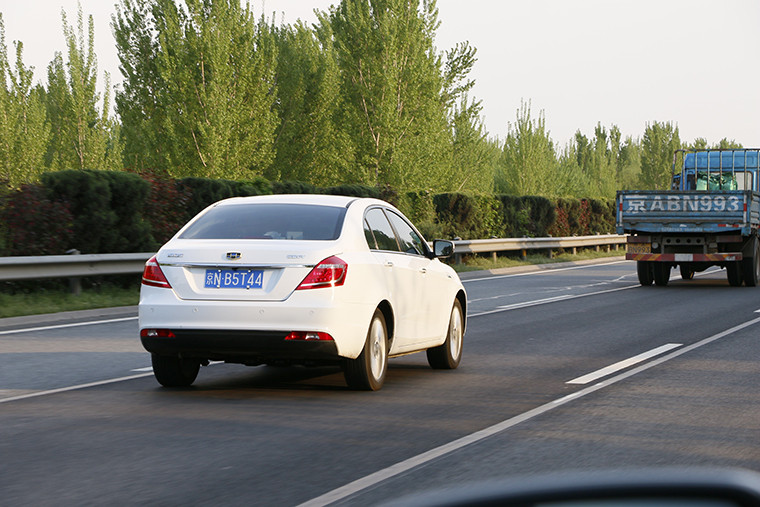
[54,301]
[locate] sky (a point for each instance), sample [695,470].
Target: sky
[578,62]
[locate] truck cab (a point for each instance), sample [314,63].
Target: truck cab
[717,170]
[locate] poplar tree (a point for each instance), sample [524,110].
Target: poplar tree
[475,156]
[24,130]
[84,136]
[200,78]
[392,83]
[309,143]
[528,164]
[658,144]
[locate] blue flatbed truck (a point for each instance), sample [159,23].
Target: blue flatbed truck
[709,217]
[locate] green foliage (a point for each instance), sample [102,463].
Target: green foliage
[541,212]
[83,134]
[24,129]
[582,217]
[468,216]
[255,186]
[391,81]
[203,192]
[293,187]
[418,207]
[353,190]
[474,156]
[659,143]
[106,206]
[601,219]
[701,143]
[309,144]
[526,216]
[35,224]
[199,78]
[528,162]
[166,207]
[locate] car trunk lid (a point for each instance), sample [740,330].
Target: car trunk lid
[247,270]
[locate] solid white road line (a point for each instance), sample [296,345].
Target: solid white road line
[371,480]
[556,299]
[614,368]
[73,388]
[542,272]
[63,326]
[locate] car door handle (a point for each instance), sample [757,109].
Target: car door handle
[388,264]
[423,270]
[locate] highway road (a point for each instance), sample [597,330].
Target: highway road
[576,368]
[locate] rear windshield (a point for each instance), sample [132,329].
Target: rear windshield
[268,221]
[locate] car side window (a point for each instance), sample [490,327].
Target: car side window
[369,236]
[381,230]
[410,241]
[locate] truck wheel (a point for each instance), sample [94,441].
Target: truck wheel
[661,273]
[644,270]
[751,266]
[734,274]
[686,272]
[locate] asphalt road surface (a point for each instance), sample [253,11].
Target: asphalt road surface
[577,368]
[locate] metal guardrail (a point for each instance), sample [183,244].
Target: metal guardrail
[74,266]
[493,246]
[66,266]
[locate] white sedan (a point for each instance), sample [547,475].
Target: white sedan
[300,279]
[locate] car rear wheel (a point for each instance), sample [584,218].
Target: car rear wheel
[448,355]
[367,372]
[172,371]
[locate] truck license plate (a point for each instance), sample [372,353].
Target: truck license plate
[639,248]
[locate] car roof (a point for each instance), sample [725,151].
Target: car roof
[318,199]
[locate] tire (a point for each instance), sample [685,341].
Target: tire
[734,274]
[661,273]
[751,266]
[645,272]
[448,355]
[686,272]
[172,371]
[367,372]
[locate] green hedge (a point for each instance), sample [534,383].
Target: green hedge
[106,207]
[206,191]
[101,212]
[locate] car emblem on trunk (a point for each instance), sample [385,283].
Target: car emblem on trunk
[233,255]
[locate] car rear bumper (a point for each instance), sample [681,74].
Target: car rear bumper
[246,347]
[255,328]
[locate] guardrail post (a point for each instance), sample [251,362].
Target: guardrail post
[75,282]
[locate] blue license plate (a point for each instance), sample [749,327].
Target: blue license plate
[233,278]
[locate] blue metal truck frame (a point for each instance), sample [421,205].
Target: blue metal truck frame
[709,217]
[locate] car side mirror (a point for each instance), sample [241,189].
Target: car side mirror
[443,248]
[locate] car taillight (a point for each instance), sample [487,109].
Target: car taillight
[331,272]
[153,276]
[309,336]
[157,333]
